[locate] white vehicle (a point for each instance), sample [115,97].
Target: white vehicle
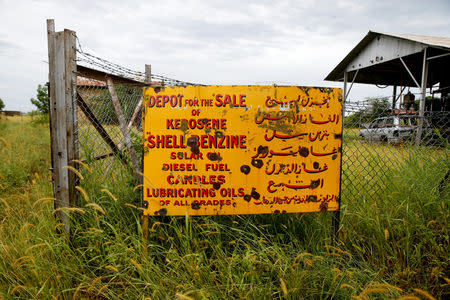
[393,129]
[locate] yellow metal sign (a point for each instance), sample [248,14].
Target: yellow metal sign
[221,150]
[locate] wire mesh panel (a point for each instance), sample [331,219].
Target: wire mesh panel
[383,152]
[101,141]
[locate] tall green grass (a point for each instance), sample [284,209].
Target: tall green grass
[392,245]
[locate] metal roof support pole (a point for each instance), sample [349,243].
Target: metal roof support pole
[410,74]
[345,87]
[422,99]
[394,97]
[346,93]
[402,89]
[336,215]
[438,56]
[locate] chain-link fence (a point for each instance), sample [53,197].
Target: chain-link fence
[102,142]
[384,151]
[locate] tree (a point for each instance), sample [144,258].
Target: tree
[378,107]
[41,102]
[2,105]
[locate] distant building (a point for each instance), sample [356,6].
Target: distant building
[11,113]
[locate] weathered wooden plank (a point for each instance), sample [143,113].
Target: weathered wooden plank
[98,126]
[135,113]
[51,96]
[130,124]
[70,82]
[148,74]
[59,125]
[123,125]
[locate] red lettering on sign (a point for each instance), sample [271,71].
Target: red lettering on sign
[231,100]
[162,100]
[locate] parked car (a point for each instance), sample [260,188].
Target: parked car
[394,129]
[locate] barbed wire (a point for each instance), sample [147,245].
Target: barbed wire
[95,62]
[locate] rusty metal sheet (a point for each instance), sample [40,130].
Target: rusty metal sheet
[221,150]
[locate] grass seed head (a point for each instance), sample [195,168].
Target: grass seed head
[94,283]
[16,288]
[153,228]
[283,287]
[21,260]
[301,255]
[25,226]
[138,186]
[75,295]
[424,294]
[5,203]
[96,207]
[34,246]
[109,194]
[348,286]
[102,289]
[368,291]
[96,230]
[43,201]
[83,164]
[386,286]
[183,297]
[75,171]
[111,268]
[6,143]
[83,192]
[136,264]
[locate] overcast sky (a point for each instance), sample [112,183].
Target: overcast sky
[209,42]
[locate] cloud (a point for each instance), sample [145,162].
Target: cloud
[8,49]
[244,42]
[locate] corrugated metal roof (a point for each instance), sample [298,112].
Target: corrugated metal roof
[338,72]
[436,41]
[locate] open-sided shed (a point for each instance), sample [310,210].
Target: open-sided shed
[399,60]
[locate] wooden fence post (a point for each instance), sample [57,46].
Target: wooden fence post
[71,110]
[51,63]
[62,78]
[148,74]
